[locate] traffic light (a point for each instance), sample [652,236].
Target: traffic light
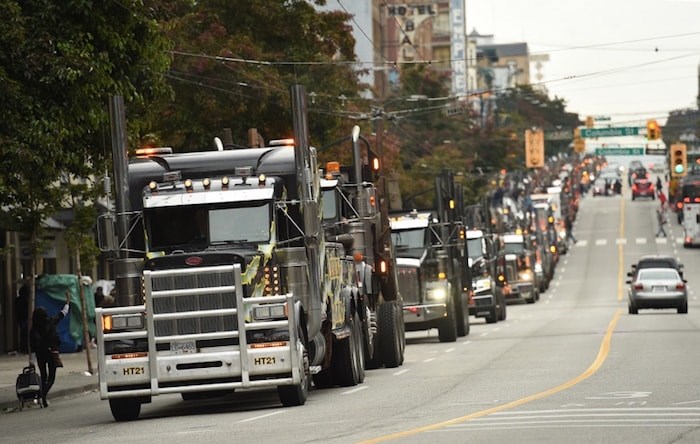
[653,130]
[679,160]
[534,148]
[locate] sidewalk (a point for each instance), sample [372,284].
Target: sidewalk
[73,378]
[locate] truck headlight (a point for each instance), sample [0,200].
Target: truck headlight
[122,322]
[482,285]
[525,275]
[269,312]
[436,294]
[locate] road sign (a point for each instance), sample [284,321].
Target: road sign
[636,151]
[610,132]
[558,135]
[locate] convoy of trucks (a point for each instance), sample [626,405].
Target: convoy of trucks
[257,267]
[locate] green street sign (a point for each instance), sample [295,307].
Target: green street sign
[619,151]
[610,132]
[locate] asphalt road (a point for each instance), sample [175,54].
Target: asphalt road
[574,367]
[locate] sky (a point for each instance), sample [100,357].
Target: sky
[631,60]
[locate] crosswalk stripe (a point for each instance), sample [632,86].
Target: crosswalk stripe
[641,240]
[582,243]
[620,241]
[679,240]
[601,242]
[661,240]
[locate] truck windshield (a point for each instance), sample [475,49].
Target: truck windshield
[198,226]
[474,248]
[329,205]
[514,248]
[409,243]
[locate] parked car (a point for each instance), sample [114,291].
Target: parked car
[643,188]
[657,288]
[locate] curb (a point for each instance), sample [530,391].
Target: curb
[58,393]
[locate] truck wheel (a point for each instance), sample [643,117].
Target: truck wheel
[125,409]
[344,361]
[447,331]
[492,317]
[531,299]
[501,305]
[360,346]
[293,395]
[462,311]
[371,343]
[390,344]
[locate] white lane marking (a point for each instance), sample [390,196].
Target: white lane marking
[401,372]
[601,409]
[599,242]
[546,302]
[550,296]
[661,240]
[496,329]
[483,334]
[621,241]
[679,240]
[428,360]
[641,240]
[686,402]
[582,243]
[355,390]
[556,284]
[563,269]
[255,418]
[450,350]
[566,261]
[466,342]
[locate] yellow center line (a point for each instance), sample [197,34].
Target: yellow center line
[595,366]
[603,352]
[621,252]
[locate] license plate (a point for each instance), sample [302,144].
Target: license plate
[658,288]
[183,347]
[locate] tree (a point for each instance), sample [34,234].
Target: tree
[233,64]
[59,63]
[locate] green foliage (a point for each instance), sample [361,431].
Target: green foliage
[228,92]
[60,62]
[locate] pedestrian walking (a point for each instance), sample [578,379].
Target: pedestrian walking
[45,344]
[659,184]
[661,219]
[569,225]
[662,199]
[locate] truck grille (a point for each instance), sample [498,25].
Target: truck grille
[214,300]
[409,286]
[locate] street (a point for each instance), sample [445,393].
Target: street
[574,367]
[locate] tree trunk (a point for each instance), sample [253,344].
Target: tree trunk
[83,309]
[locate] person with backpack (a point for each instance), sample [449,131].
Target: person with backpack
[45,344]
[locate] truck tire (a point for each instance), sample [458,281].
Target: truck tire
[492,317]
[360,345]
[447,331]
[371,343]
[462,311]
[501,305]
[390,342]
[345,361]
[125,409]
[294,395]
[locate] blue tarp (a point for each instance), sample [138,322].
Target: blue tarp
[51,294]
